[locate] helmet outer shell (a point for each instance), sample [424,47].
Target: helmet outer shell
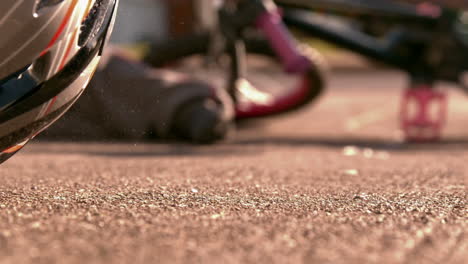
[41,38]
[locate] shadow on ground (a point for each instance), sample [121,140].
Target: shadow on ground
[375,143]
[241,146]
[137,149]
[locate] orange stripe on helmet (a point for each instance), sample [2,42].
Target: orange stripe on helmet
[51,104]
[88,9]
[14,148]
[68,50]
[62,26]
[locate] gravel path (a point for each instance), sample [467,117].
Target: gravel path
[332,184]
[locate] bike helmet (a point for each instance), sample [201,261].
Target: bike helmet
[49,49]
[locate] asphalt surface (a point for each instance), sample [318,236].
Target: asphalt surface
[332,184]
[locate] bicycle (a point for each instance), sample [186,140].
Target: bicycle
[414,38]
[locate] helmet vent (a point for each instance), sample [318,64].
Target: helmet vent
[93,21]
[43,4]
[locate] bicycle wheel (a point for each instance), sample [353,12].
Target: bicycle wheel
[198,43]
[262,64]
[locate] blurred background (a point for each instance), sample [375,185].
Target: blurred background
[157,20]
[160,20]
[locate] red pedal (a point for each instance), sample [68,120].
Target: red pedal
[423,114]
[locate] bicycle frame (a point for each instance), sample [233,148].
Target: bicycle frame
[384,10]
[418,39]
[420,34]
[416,43]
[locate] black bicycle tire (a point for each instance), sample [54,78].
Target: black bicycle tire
[169,51]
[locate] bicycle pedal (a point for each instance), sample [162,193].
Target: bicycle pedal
[423,114]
